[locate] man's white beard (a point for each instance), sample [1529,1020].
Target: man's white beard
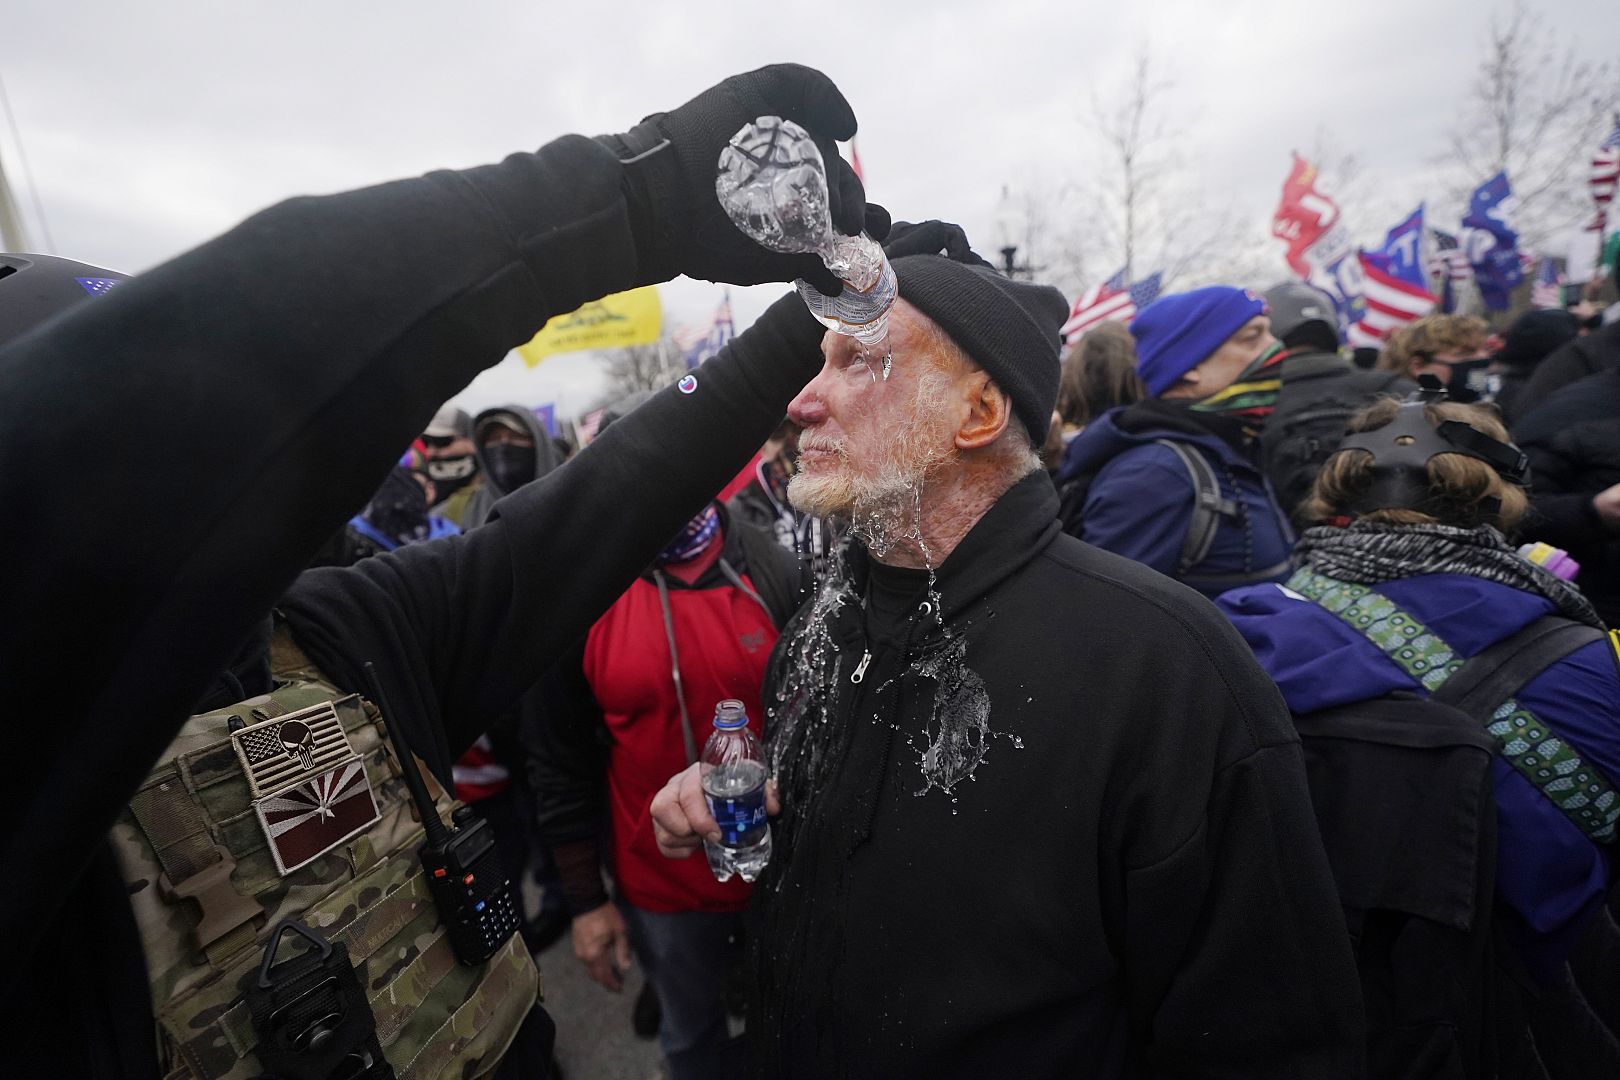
[840,491]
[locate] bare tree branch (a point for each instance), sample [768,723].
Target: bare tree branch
[1536,113]
[637,368]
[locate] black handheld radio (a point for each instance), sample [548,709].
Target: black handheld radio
[463,865]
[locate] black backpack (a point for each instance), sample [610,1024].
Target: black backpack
[1320,393]
[1403,793]
[1209,506]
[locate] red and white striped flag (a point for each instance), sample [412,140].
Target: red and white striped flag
[1110,301]
[1605,176]
[1392,302]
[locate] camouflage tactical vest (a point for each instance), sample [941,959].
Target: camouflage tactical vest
[301,813]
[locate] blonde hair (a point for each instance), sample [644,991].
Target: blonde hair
[1459,486]
[1432,334]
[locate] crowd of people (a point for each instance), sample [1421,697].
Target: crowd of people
[1194,700]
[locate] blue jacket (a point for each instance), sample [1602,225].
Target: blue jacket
[1550,877]
[1140,502]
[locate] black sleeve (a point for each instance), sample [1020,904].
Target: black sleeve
[566,757]
[460,628]
[1563,366]
[1561,510]
[182,445]
[567,754]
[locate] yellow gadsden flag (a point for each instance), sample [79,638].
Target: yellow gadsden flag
[627,318]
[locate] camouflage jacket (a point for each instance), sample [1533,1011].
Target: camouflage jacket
[302,813]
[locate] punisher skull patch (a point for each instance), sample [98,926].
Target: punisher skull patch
[285,750]
[311,789]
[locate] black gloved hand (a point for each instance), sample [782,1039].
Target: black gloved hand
[932,238]
[671,161]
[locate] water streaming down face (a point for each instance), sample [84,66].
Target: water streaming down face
[888,440]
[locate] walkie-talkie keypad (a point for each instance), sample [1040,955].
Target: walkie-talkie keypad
[472,890]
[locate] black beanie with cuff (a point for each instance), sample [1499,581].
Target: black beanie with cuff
[1009,328]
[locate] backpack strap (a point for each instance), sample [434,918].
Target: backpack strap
[1482,684]
[1208,506]
[1578,788]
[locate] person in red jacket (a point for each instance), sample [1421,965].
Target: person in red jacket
[631,707]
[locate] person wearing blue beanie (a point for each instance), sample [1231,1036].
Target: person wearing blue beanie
[1177,482]
[1177,334]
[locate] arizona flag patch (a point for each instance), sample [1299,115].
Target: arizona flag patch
[306,820]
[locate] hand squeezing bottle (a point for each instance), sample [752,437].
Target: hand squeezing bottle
[773,185]
[734,784]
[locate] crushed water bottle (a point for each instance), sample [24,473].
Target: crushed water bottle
[773,184]
[734,784]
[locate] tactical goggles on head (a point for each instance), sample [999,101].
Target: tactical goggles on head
[1401,451]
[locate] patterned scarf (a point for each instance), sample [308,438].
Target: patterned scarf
[1252,397]
[1368,553]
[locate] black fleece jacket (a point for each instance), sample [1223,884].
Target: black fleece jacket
[1130,884]
[1573,441]
[269,379]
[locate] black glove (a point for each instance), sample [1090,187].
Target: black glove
[932,238]
[671,161]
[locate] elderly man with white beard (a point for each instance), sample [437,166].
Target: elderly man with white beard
[1039,812]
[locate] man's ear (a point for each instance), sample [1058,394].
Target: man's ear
[989,410]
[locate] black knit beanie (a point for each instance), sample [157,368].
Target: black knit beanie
[1009,328]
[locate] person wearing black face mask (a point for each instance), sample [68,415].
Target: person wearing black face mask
[512,449]
[450,460]
[1449,347]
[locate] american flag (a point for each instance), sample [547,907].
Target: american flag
[1110,301]
[1545,292]
[1605,175]
[1449,260]
[699,343]
[1392,302]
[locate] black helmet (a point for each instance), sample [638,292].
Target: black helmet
[34,288]
[1304,314]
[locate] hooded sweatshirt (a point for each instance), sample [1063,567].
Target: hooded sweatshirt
[1140,500]
[482,501]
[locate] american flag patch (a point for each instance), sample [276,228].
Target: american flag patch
[279,751]
[310,818]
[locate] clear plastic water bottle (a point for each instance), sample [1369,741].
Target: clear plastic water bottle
[734,784]
[773,184]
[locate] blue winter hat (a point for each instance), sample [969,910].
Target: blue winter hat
[1176,333]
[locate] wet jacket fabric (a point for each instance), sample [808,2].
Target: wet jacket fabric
[621,721]
[292,359]
[1573,441]
[1140,502]
[1129,883]
[1550,877]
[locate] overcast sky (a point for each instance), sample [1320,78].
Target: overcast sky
[150,125]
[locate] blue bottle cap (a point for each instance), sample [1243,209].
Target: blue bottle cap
[730,715]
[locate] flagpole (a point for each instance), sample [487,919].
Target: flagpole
[12,236]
